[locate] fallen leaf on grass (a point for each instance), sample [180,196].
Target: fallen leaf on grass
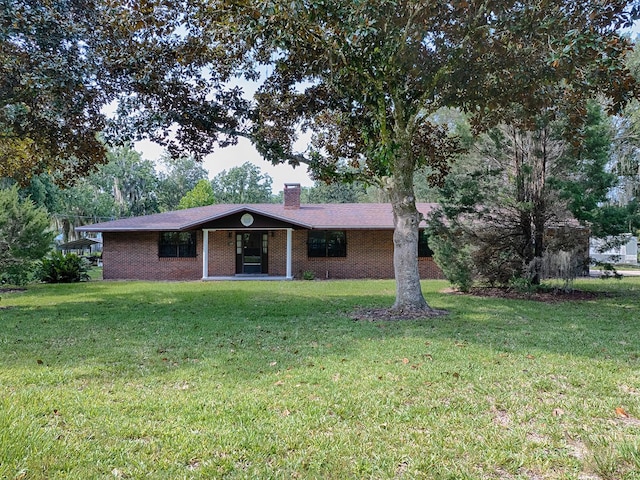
[279,382]
[620,412]
[405,360]
[557,412]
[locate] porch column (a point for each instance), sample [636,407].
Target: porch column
[289,248]
[205,253]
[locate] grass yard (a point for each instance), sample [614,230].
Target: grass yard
[274,380]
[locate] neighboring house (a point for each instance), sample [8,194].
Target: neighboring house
[352,240]
[623,253]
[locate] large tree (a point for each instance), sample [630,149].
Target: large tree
[178,176]
[131,180]
[199,196]
[510,208]
[368,78]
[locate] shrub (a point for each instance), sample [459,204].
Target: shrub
[61,268]
[308,275]
[25,236]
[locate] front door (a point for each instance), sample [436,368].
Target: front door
[251,253]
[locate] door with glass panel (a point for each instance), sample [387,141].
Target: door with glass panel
[252,253]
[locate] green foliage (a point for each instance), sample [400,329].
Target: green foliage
[200,196]
[512,200]
[584,179]
[322,192]
[243,184]
[180,175]
[308,275]
[451,252]
[64,268]
[131,180]
[52,88]
[24,236]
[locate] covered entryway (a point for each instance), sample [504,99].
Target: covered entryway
[252,253]
[246,254]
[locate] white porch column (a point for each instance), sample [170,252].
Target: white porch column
[205,253]
[289,249]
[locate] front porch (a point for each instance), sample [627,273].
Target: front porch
[247,254]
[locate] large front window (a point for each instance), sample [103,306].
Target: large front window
[177,244]
[327,243]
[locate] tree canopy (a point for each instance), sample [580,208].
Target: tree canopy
[243,184]
[52,88]
[519,206]
[199,196]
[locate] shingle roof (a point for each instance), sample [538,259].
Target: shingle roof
[313,216]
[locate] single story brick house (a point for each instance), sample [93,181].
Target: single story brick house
[283,241]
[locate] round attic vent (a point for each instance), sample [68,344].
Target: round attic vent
[246,219]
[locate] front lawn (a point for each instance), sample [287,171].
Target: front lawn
[275,380]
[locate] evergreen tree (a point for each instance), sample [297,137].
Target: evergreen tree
[24,235]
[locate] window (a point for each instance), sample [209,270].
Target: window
[327,243]
[177,244]
[423,245]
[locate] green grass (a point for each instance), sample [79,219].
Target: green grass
[274,380]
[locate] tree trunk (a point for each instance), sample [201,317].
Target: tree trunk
[406,219]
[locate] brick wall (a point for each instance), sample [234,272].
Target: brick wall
[135,256]
[369,255]
[222,254]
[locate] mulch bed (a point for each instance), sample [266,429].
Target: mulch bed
[389,314]
[546,296]
[12,290]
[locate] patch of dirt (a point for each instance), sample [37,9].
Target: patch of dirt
[12,290]
[545,296]
[390,314]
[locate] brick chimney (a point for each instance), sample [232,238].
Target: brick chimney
[291,196]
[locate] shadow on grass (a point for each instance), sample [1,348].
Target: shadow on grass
[124,328]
